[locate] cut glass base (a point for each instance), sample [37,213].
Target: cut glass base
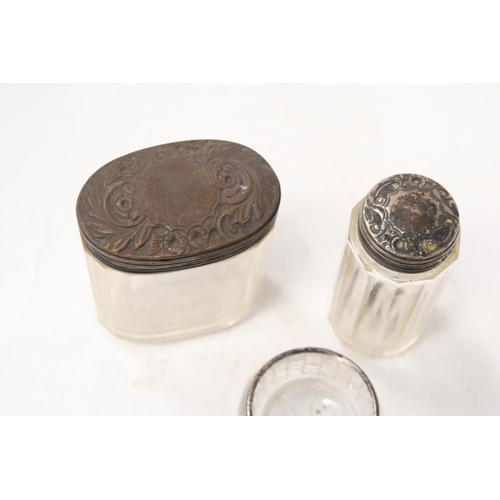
[310,382]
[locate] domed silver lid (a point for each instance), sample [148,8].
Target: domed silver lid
[409,223]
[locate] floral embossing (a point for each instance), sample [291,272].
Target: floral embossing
[118,222]
[411,201]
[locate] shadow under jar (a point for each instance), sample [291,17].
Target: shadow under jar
[176,237]
[403,240]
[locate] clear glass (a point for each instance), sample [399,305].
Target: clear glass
[177,303]
[381,312]
[310,382]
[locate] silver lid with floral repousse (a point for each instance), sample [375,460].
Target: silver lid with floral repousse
[177,206]
[409,223]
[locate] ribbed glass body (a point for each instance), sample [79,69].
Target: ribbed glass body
[378,311]
[172,304]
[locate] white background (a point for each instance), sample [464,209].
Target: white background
[328,144]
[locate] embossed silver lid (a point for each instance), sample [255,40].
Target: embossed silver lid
[178,205]
[409,223]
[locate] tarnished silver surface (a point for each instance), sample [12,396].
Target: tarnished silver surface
[178,205]
[409,223]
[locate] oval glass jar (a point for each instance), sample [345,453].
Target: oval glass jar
[176,237]
[403,240]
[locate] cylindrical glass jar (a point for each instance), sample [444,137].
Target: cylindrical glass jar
[176,237]
[403,240]
[310,382]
